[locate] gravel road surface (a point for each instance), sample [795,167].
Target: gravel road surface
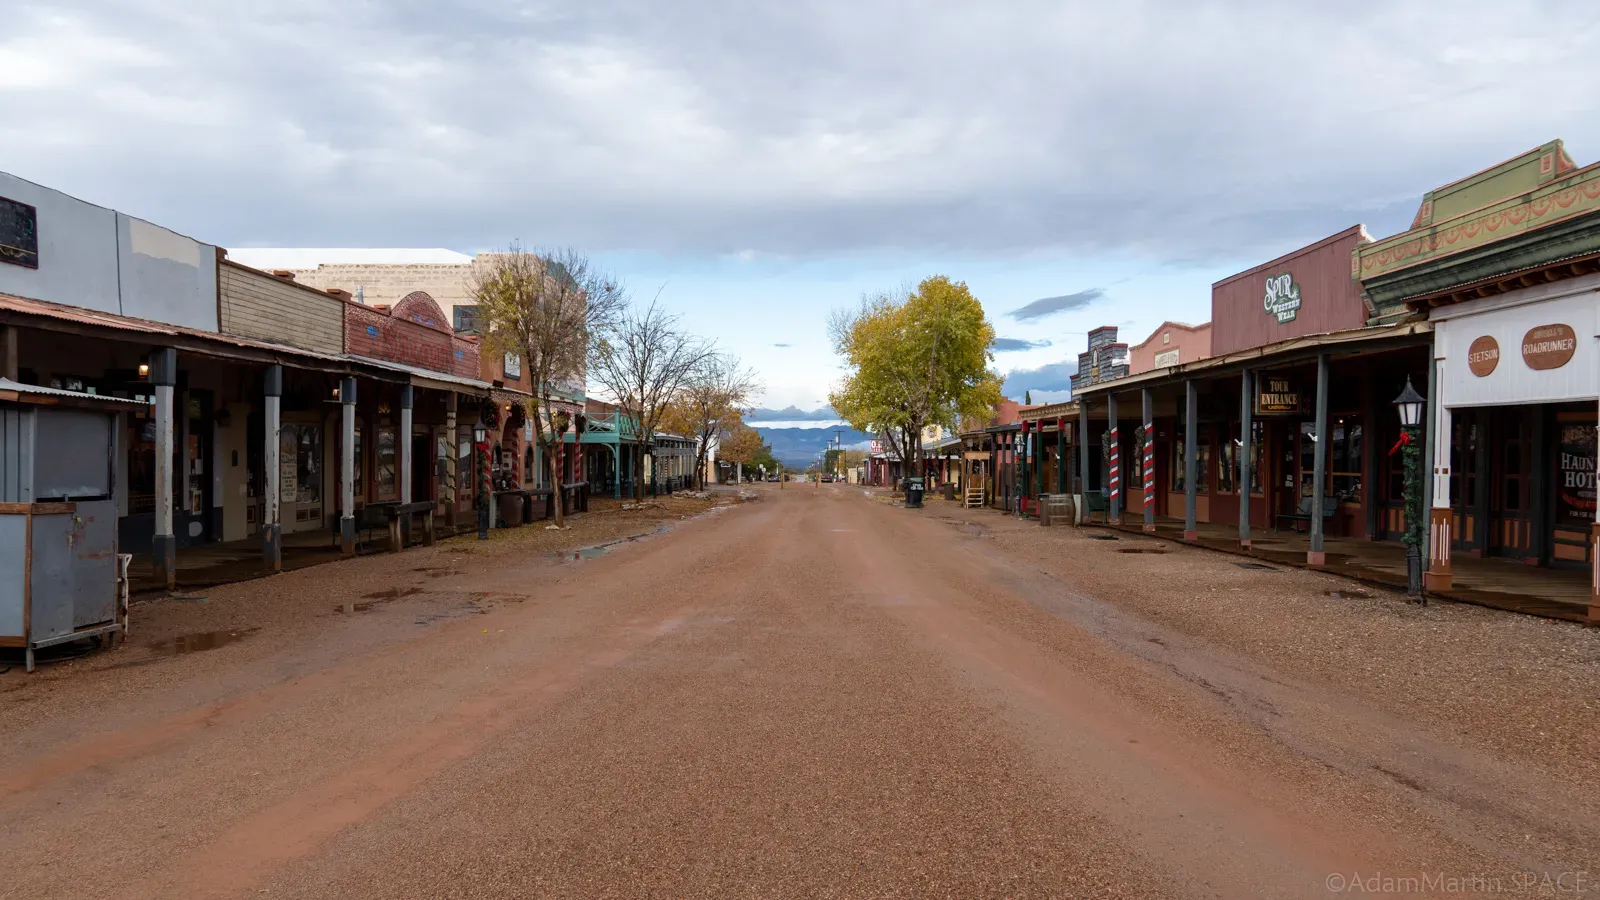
[811,694]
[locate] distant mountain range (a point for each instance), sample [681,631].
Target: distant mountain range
[798,447]
[792,414]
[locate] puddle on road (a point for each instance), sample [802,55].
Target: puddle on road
[201,641]
[352,608]
[1255,565]
[1348,594]
[1102,537]
[1153,550]
[590,552]
[392,593]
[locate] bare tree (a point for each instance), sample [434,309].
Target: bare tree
[552,309]
[713,400]
[643,365]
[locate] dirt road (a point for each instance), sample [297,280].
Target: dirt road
[812,695]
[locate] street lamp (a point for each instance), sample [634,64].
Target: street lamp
[1410,405]
[480,477]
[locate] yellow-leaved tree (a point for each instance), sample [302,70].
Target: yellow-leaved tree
[915,359]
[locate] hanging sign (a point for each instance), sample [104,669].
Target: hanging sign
[1282,299]
[19,234]
[1549,346]
[1483,356]
[1277,394]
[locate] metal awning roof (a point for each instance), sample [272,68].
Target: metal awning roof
[33,393]
[212,343]
[1351,340]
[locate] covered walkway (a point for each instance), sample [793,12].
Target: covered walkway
[1508,584]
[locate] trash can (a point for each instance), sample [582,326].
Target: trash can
[914,493]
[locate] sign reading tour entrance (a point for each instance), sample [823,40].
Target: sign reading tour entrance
[1549,346]
[1283,298]
[1276,394]
[1483,356]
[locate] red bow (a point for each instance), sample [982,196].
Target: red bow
[1405,438]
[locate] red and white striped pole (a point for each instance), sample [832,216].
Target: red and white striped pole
[1116,471]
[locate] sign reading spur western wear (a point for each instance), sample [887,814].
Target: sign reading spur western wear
[1277,394]
[1283,298]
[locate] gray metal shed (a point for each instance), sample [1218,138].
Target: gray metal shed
[59,569]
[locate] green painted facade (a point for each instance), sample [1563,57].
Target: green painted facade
[1534,209]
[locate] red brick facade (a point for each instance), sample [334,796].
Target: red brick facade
[414,333]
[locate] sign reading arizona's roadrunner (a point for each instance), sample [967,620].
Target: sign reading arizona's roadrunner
[1282,299]
[1549,346]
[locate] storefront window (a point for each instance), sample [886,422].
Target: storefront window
[1257,436]
[142,463]
[308,464]
[385,464]
[1228,464]
[1345,447]
[1463,462]
[1202,466]
[359,483]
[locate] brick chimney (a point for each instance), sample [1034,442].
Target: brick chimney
[341,293]
[285,274]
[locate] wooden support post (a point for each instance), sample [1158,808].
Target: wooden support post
[164,544]
[1438,576]
[347,467]
[1115,471]
[452,461]
[271,514]
[1246,407]
[1191,411]
[1319,469]
[1147,455]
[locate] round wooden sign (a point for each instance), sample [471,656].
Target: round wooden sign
[1549,346]
[1483,356]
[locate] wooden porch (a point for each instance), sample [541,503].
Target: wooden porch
[1509,584]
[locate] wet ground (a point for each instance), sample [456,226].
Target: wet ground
[813,694]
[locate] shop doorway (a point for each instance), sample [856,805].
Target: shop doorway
[1511,484]
[421,451]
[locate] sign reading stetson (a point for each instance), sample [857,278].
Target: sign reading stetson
[1277,394]
[1549,346]
[1483,356]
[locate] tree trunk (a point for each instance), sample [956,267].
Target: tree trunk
[638,474]
[551,465]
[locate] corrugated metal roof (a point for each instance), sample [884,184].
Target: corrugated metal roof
[9,386]
[94,317]
[1332,339]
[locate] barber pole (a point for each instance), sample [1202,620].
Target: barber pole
[1116,469]
[1149,472]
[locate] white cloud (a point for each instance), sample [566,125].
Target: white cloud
[805,129]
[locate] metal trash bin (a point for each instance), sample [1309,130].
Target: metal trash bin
[914,490]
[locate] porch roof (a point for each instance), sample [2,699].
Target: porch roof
[78,320]
[1353,341]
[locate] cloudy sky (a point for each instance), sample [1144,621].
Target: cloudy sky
[1077,164]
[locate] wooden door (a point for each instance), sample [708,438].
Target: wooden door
[1511,490]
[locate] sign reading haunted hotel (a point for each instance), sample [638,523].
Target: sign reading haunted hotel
[1282,300]
[1277,394]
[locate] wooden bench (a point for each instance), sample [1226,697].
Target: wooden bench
[397,513]
[1330,506]
[369,517]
